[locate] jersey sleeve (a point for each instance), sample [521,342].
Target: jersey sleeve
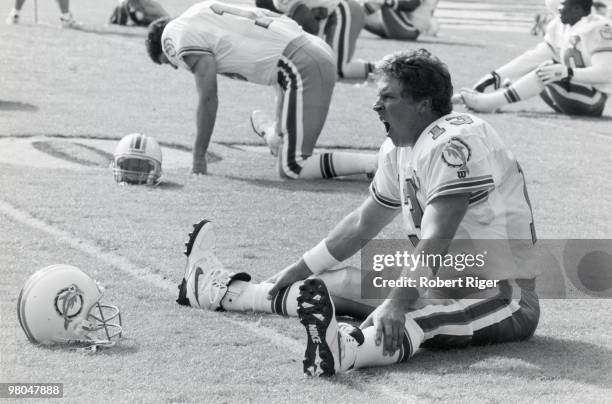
[179,42]
[462,164]
[384,188]
[601,39]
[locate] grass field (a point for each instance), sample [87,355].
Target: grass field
[100,84]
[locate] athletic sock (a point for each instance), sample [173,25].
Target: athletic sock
[329,165]
[526,87]
[368,354]
[245,296]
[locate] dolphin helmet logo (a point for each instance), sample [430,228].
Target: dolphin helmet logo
[69,303]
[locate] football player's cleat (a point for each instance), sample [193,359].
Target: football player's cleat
[137,160]
[331,347]
[205,282]
[265,128]
[69,22]
[12,18]
[60,305]
[476,101]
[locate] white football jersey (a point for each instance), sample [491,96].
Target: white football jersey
[247,42]
[573,45]
[460,153]
[287,6]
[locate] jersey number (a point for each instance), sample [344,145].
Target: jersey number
[259,20]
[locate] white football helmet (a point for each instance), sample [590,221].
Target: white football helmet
[60,305]
[137,160]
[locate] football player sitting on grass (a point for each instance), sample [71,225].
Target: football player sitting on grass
[571,70]
[452,180]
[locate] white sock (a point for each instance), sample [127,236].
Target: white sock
[66,16]
[526,87]
[14,12]
[368,354]
[337,164]
[245,296]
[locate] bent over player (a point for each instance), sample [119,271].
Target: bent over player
[571,70]
[255,45]
[451,178]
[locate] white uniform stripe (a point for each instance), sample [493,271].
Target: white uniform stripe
[299,117]
[576,96]
[478,324]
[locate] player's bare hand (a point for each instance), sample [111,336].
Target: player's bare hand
[295,272]
[199,164]
[549,72]
[388,319]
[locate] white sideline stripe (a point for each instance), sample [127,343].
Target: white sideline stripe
[126,266]
[129,268]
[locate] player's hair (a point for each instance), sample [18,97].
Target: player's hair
[421,76]
[153,41]
[584,4]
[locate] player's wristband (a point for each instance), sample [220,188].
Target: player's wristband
[319,258]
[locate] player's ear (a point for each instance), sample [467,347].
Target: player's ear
[424,105]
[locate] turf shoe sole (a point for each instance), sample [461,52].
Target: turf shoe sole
[330,347]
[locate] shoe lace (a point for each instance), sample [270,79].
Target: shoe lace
[219,279]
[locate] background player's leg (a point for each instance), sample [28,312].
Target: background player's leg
[341,32]
[574,99]
[397,26]
[524,88]
[13,17]
[374,24]
[308,78]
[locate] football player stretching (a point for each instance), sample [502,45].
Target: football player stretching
[259,46]
[453,181]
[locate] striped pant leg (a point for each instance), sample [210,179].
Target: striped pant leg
[508,313]
[574,99]
[306,76]
[341,31]
[374,24]
[397,26]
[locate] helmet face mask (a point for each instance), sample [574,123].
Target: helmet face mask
[137,170]
[60,305]
[137,160]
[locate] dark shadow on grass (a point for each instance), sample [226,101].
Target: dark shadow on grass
[561,117]
[545,359]
[169,185]
[347,185]
[17,106]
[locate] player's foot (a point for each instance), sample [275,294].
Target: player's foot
[330,347]
[12,18]
[477,101]
[205,282]
[265,127]
[70,23]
